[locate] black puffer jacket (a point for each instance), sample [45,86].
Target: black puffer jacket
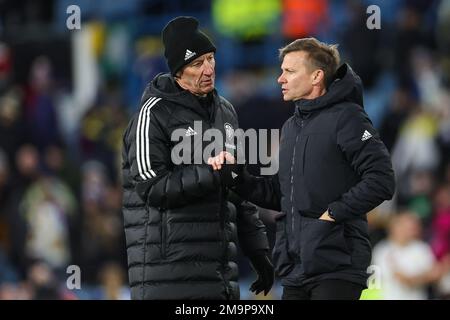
[181,230]
[331,157]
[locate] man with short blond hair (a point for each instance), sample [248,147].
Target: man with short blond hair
[334,169]
[321,56]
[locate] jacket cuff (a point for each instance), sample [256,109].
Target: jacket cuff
[339,212]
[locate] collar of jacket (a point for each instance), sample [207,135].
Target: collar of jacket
[165,87]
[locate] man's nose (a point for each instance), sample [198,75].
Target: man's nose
[281,79]
[208,68]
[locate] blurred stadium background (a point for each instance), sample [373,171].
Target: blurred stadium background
[66,97]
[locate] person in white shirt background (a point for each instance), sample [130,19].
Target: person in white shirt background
[408,266]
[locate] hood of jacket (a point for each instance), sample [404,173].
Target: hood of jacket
[346,87]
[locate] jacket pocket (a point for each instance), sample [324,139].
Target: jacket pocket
[163,234]
[323,246]
[283,262]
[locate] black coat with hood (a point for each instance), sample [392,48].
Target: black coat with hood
[332,158]
[181,228]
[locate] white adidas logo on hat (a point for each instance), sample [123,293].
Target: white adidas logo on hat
[366,135]
[189,54]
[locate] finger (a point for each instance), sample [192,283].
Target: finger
[229,158]
[225,157]
[257,287]
[212,162]
[254,286]
[218,163]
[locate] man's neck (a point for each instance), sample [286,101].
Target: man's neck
[315,93]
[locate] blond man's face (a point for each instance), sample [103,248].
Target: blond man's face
[296,78]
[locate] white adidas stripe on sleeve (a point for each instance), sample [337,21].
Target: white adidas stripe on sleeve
[142,140]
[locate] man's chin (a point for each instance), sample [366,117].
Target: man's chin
[208,88]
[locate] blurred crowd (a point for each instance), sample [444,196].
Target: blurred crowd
[66,97]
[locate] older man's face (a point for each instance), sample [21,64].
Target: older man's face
[198,76]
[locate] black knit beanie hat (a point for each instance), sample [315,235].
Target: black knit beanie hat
[184,42]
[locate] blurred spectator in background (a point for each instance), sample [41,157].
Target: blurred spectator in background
[13,130]
[362,45]
[303,18]
[7,271]
[422,185]
[5,67]
[27,163]
[56,163]
[101,132]
[440,242]
[113,284]
[14,291]
[5,205]
[408,35]
[415,150]
[48,207]
[407,263]
[40,109]
[443,36]
[101,238]
[43,284]
[402,104]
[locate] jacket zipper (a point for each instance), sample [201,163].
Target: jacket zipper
[292,185]
[292,181]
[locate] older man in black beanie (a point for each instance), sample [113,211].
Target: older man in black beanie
[182,222]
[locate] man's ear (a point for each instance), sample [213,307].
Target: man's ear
[317,77]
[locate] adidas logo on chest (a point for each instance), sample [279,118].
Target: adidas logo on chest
[190,132]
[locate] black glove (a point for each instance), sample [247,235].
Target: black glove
[264,268]
[230,174]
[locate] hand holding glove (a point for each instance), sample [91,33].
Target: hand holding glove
[228,169]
